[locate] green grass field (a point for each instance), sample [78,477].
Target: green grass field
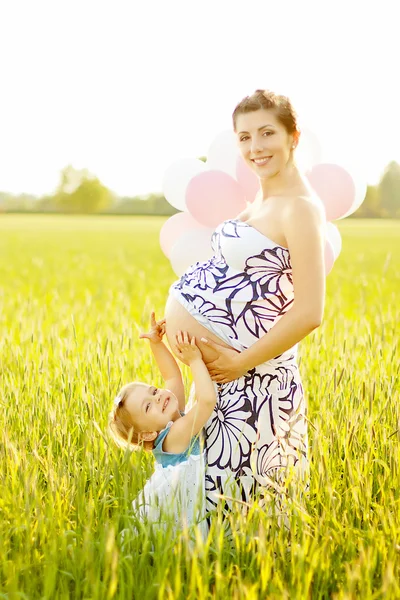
[74,294]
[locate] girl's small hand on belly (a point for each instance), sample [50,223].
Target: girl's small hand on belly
[178,319]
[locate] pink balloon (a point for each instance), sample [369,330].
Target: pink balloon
[247,180]
[174,227]
[329,257]
[335,187]
[213,197]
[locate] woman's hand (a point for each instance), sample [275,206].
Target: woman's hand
[157,330]
[186,348]
[227,366]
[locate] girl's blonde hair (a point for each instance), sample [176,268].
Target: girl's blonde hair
[120,424]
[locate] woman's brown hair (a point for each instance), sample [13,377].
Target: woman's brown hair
[265,99]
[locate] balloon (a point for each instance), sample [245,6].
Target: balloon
[248,181]
[334,237]
[359,196]
[309,151]
[213,197]
[223,153]
[335,187]
[329,257]
[174,227]
[177,177]
[191,247]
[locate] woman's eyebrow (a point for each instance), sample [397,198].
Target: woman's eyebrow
[259,129]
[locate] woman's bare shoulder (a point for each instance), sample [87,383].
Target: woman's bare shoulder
[303,214]
[303,206]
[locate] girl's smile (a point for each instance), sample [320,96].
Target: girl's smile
[152,408]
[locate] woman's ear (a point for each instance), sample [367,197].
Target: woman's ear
[147,436]
[296,138]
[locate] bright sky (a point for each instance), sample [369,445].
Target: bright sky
[125,88]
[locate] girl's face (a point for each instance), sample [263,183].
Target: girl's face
[263,142]
[151,408]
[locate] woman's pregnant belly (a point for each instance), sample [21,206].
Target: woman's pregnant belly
[177,319]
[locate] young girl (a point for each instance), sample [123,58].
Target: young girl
[153,417]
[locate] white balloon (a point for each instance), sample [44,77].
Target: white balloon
[223,153]
[177,177]
[309,151]
[333,235]
[361,190]
[191,247]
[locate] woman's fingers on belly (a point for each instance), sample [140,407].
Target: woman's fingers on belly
[209,354]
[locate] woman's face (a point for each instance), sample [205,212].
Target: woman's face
[263,142]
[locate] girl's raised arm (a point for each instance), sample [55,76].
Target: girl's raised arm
[182,431]
[167,364]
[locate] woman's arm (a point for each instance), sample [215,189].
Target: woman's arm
[303,227]
[304,232]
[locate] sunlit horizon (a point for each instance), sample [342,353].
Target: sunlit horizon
[124,90]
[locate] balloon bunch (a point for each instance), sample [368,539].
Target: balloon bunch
[212,192]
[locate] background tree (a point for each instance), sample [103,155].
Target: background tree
[371,207]
[389,189]
[81,192]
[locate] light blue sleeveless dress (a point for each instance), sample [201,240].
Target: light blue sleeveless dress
[175,493]
[258,429]
[166,459]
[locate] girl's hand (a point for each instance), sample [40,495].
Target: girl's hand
[227,366]
[187,349]
[157,330]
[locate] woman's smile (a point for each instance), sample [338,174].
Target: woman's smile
[260,162]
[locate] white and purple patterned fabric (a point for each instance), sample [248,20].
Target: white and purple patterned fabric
[258,427]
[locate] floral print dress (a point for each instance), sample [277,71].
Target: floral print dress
[258,428]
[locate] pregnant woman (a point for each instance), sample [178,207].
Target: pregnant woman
[249,306]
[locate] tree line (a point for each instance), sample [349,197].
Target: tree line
[80,192]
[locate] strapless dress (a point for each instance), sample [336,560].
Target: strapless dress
[258,429]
